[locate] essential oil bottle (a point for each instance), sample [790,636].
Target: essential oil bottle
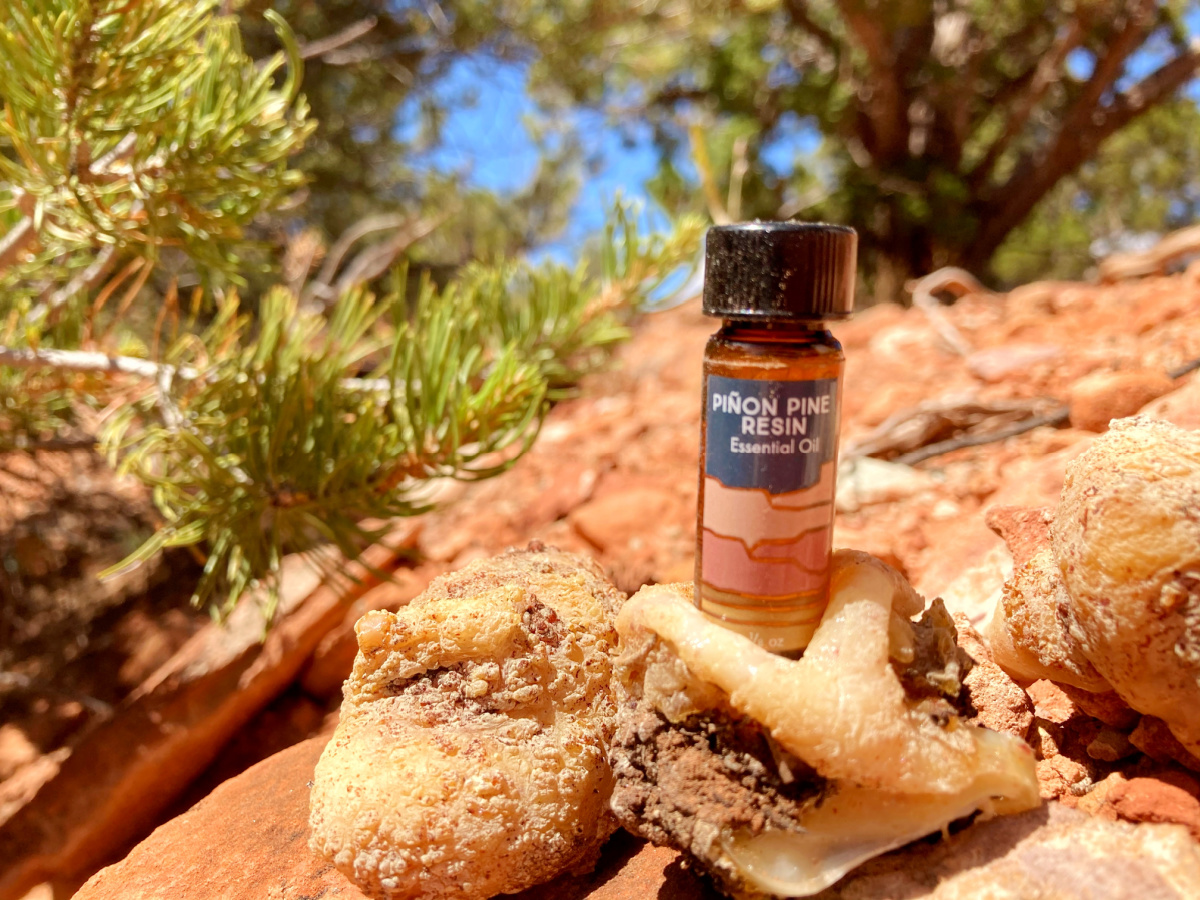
[772,394]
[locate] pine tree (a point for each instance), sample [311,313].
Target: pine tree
[137,131]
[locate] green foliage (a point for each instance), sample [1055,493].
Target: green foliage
[272,449]
[540,309]
[287,437]
[140,126]
[35,407]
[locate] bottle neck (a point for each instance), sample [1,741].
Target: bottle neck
[774,330]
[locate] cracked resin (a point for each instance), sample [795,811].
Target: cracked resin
[471,755]
[779,776]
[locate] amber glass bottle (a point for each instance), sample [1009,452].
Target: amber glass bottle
[772,393]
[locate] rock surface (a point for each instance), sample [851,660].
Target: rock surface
[1151,800]
[128,770]
[249,841]
[1051,853]
[1098,399]
[634,429]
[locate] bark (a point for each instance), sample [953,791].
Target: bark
[1077,141]
[885,108]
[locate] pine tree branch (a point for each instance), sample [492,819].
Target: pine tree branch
[797,11]
[255,442]
[347,35]
[1056,418]
[1151,90]
[86,361]
[371,262]
[23,233]
[165,85]
[18,238]
[708,181]
[83,280]
[1105,72]
[374,261]
[347,239]
[160,373]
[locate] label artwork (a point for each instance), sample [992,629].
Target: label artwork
[768,505]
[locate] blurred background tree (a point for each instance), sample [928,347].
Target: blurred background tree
[936,129]
[376,76]
[1145,180]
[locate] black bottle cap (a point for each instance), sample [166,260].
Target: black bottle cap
[779,270]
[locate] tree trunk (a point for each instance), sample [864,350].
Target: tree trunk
[890,275]
[902,252]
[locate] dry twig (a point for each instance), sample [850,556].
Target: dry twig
[957,281]
[906,437]
[1056,418]
[910,430]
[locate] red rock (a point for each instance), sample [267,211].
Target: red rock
[999,363]
[1107,707]
[1062,777]
[291,718]
[1037,481]
[976,590]
[887,400]
[858,331]
[1050,852]
[1181,780]
[1154,738]
[1110,746]
[123,774]
[962,548]
[1025,531]
[16,750]
[1098,399]
[1181,406]
[615,520]
[970,639]
[1151,800]
[1095,802]
[23,785]
[1153,314]
[559,491]
[1051,703]
[999,702]
[248,840]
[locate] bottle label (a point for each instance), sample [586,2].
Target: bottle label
[766,534]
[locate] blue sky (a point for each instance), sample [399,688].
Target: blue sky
[486,138]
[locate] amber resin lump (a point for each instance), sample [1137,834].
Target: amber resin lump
[1111,600]
[471,754]
[778,776]
[1127,541]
